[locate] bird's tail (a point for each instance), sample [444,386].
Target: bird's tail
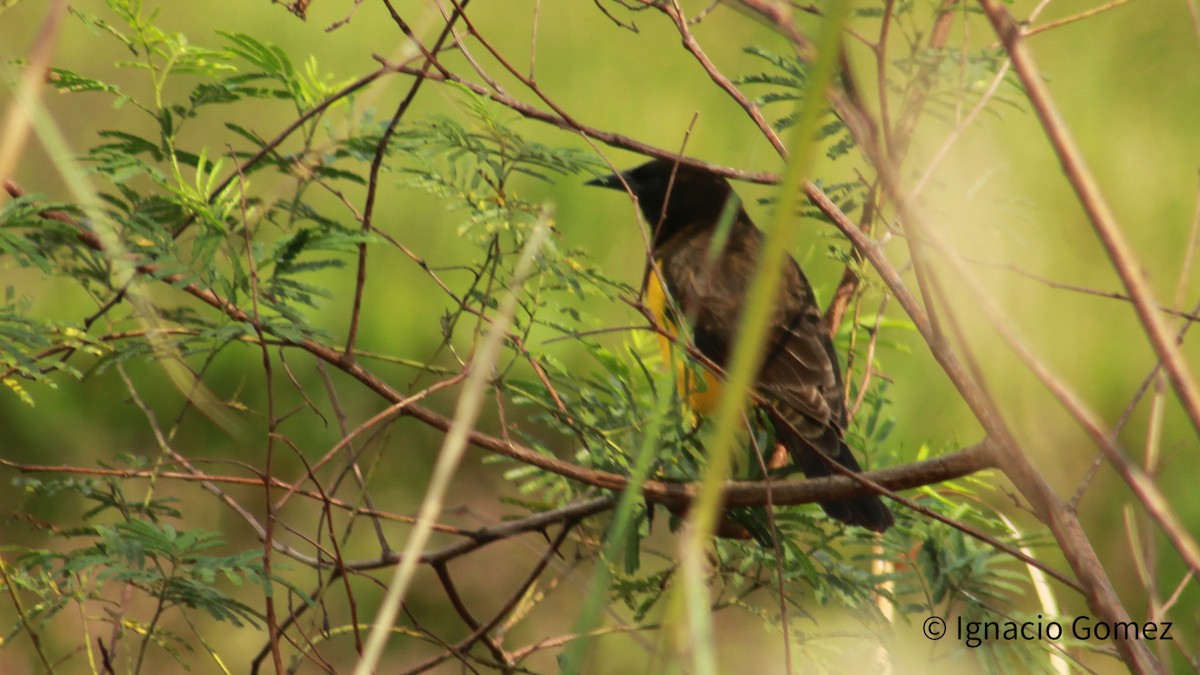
[869,512]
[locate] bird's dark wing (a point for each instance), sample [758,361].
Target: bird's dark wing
[800,375]
[800,372]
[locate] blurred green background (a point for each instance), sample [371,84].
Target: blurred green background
[1127,82]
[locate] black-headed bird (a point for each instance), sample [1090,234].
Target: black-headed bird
[688,210]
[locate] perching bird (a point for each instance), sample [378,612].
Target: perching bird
[800,375]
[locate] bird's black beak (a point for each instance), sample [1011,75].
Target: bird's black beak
[612,181]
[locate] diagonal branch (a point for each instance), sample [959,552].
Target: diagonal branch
[1103,221]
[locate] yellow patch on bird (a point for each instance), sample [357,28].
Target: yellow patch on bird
[701,389]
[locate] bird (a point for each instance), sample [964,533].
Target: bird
[692,210]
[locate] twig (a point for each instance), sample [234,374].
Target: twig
[673,10]
[377,160]
[482,630]
[1051,25]
[608,138]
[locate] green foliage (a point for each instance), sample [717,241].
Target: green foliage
[789,83]
[473,161]
[171,569]
[30,348]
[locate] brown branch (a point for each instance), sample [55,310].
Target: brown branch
[508,606]
[283,135]
[896,137]
[460,606]
[918,91]
[738,493]
[1051,25]
[386,415]
[377,161]
[776,14]
[848,285]
[679,495]
[351,453]
[863,128]
[273,421]
[1112,295]
[473,538]
[1063,523]
[608,138]
[199,476]
[1143,487]
[673,10]
[567,516]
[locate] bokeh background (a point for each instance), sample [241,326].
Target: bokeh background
[1128,84]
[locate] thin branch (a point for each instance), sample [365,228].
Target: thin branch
[608,138]
[456,601]
[508,606]
[693,47]
[1051,25]
[377,160]
[1112,295]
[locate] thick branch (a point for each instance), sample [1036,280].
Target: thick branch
[811,490]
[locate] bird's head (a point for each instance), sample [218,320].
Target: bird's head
[673,196]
